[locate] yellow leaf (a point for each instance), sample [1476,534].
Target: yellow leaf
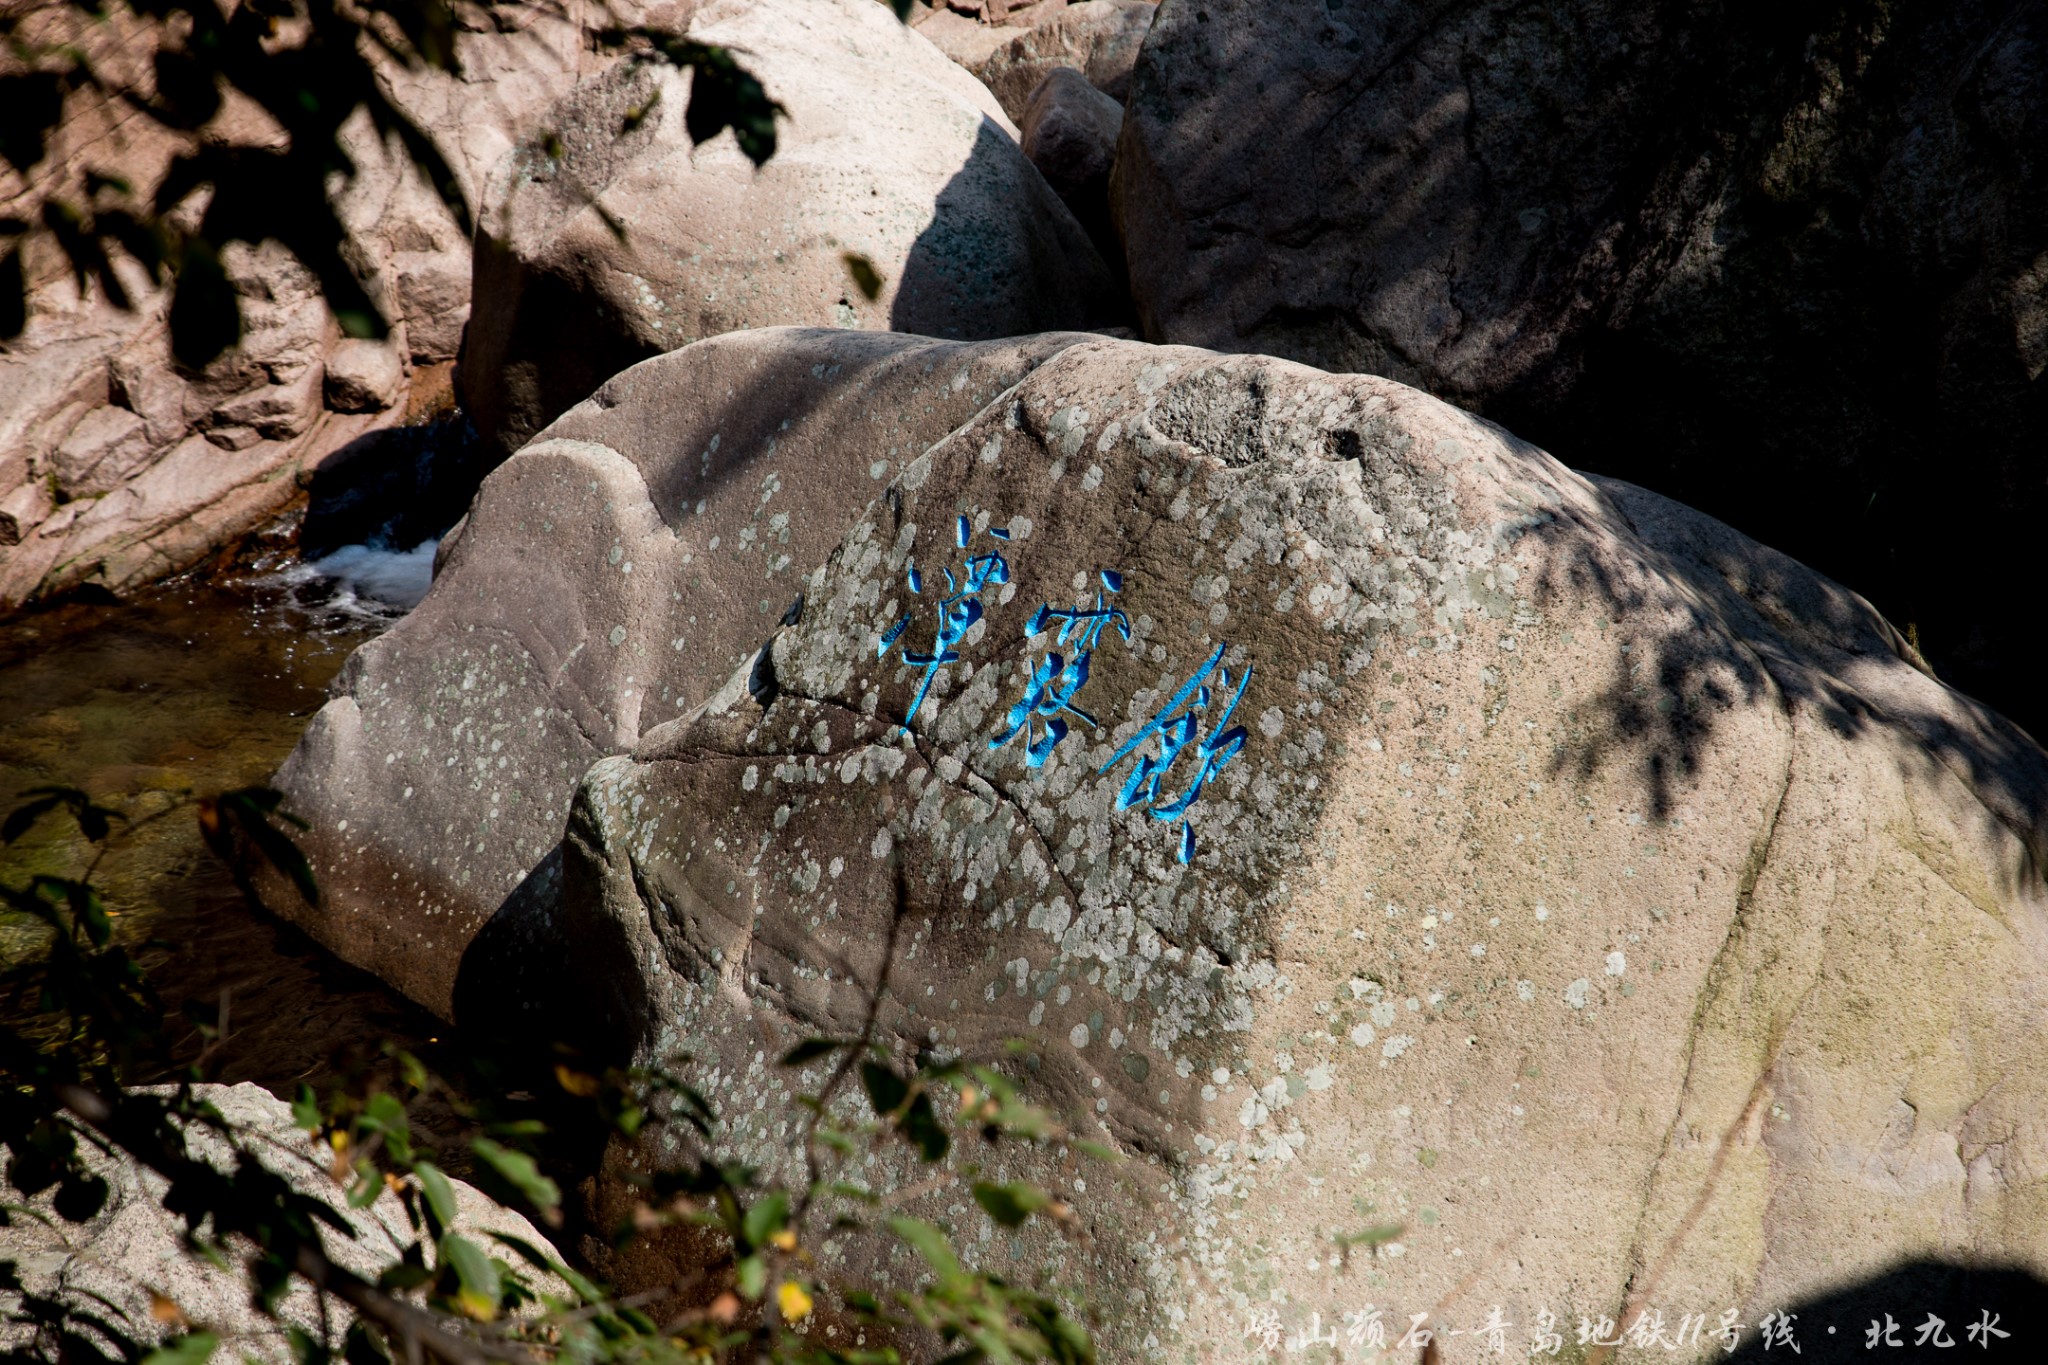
[578,1083]
[794,1302]
[784,1240]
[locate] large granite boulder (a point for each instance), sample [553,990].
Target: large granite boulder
[607,578]
[1608,902]
[112,1268]
[598,250]
[1803,244]
[117,465]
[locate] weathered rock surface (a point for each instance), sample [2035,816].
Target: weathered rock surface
[890,151]
[116,465]
[364,376]
[607,578]
[1598,895]
[110,1266]
[1098,38]
[1069,133]
[1806,246]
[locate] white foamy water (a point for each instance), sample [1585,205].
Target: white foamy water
[369,579]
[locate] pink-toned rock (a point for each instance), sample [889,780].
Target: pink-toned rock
[960,37]
[1070,130]
[608,577]
[89,396]
[106,446]
[1098,38]
[364,376]
[1599,902]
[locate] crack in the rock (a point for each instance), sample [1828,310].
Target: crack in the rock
[1711,988]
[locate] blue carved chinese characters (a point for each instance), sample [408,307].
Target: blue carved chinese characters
[958,611]
[1177,732]
[1055,680]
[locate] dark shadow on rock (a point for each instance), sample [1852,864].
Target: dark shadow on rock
[1904,1304]
[395,487]
[1779,262]
[967,253]
[512,377]
[512,984]
[1758,628]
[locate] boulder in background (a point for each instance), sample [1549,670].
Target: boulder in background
[629,246]
[1805,245]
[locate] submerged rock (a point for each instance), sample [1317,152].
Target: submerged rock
[601,249]
[1437,839]
[607,578]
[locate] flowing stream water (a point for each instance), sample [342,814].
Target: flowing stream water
[196,686]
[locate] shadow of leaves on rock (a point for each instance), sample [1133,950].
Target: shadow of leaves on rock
[1715,622]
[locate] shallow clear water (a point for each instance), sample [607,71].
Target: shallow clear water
[195,687]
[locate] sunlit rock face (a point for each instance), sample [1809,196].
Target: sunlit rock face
[617,236]
[608,578]
[1546,869]
[119,466]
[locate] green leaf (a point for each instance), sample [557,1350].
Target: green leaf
[1097,1150]
[517,1169]
[921,1125]
[31,104]
[305,1350]
[306,1109]
[368,1189]
[886,1090]
[1010,1204]
[750,1276]
[412,1069]
[359,1347]
[586,1289]
[385,1113]
[205,316]
[1372,1238]
[252,809]
[809,1050]
[866,278]
[80,1197]
[21,817]
[440,1194]
[723,94]
[87,909]
[403,1276]
[929,1243]
[767,1216]
[476,1276]
[195,1348]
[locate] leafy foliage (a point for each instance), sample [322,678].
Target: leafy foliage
[307,67]
[753,1296]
